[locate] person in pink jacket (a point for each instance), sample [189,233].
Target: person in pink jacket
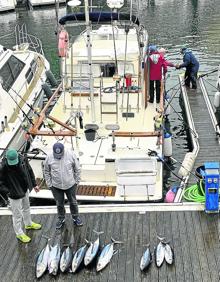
[158,68]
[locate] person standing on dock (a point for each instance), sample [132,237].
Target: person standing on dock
[17,176]
[192,66]
[62,175]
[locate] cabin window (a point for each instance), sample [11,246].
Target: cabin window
[124,68]
[10,72]
[82,70]
[108,69]
[30,73]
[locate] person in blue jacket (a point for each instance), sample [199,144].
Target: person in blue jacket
[192,66]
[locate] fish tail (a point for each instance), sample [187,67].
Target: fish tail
[87,242]
[161,238]
[116,242]
[98,232]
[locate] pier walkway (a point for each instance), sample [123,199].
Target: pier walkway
[192,234]
[209,147]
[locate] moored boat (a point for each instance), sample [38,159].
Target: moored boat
[23,73]
[7,5]
[103,112]
[35,3]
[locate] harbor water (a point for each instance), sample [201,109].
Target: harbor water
[170,24]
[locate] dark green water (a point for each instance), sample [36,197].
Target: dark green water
[170,24]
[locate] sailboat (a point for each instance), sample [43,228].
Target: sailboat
[103,112]
[24,71]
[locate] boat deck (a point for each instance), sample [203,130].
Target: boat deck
[209,149]
[192,234]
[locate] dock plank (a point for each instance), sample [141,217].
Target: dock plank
[187,264]
[193,235]
[177,247]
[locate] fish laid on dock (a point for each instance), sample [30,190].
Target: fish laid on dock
[106,255]
[78,258]
[66,259]
[42,261]
[169,254]
[159,254]
[54,259]
[92,250]
[146,259]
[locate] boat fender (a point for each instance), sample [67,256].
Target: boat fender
[168,150]
[51,78]
[187,164]
[63,43]
[47,90]
[170,195]
[217,99]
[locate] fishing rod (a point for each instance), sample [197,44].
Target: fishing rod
[184,122]
[164,162]
[207,73]
[19,107]
[23,100]
[30,106]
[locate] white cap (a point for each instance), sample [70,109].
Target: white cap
[162,50]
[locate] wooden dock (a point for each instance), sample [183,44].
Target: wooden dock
[209,148]
[193,235]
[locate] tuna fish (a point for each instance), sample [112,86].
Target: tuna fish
[106,255]
[66,259]
[160,253]
[169,254]
[42,261]
[54,259]
[78,258]
[146,259]
[92,250]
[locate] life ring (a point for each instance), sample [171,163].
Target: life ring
[63,43]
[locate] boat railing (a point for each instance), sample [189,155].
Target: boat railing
[23,38]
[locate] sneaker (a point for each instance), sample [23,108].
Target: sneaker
[77,221]
[60,223]
[23,238]
[34,226]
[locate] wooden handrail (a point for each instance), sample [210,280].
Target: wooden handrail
[136,134]
[34,130]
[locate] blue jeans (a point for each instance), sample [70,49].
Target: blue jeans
[60,199]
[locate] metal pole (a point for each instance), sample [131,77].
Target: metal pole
[89,50]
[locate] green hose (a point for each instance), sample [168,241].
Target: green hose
[195,193]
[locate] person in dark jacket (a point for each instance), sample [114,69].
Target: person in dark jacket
[192,66]
[17,176]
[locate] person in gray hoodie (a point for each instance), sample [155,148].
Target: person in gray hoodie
[62,175]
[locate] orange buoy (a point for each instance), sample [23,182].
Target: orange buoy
[63,43]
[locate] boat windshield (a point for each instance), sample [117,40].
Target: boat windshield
[10,72]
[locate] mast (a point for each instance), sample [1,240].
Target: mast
[89,51]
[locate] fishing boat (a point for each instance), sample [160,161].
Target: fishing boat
[103,112]
[7,5]
[24,71]
[35,3]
